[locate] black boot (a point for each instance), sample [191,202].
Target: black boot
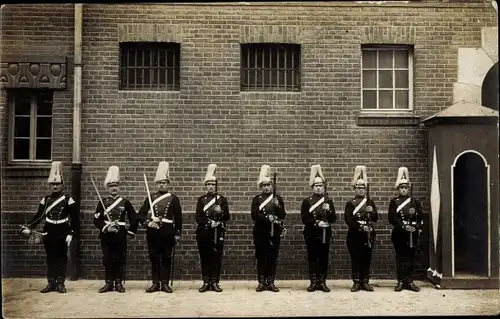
[50,287]
[399,286]
[411,286]
[165,287]
[107,287]
[271,286]
[215,285]
[366,286]
[356,286]
[314,285]
[60,285]
[262,284]
[119,286]
[154,287]
[322,285]
[206,285]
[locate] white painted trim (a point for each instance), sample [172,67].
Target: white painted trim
[488,190]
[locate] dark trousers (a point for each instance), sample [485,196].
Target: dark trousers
[318,254]
[160,245]
[266,252]
[210,253]
[56,250]
[405,256]
[361,257]
[114,249]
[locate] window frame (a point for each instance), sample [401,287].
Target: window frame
[274,48]
[35,95]
[391,47]
[150,46]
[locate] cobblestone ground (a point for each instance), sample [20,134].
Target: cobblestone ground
[22,299]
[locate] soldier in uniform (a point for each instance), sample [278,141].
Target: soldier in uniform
[110,220]
[163,228]
[359,213]
[61,222]
[211,215]
[405,214]
[318,213]
[267,210]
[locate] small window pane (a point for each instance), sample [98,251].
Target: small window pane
[369,99]
[163,58]
[369,59]
[43,149]
[22,104]
[44,127]
[401,79]
[369,79]
[21,148]
[402,100]
[385,100]
[385,79]
[21,126]
[385,59]
[401,59]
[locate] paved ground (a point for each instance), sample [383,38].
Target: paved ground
[21,299]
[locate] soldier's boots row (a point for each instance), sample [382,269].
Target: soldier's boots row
[409,286]
[317,284]
[209,284]
[55,285]
[266,284]
[361,285]
[160,286]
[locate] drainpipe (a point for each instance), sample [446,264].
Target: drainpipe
[76,165]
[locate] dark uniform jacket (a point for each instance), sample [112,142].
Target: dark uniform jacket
[116,207]
[262,224]
[167,207]
[205,210]
[402,217]
[311,218]
[356,220]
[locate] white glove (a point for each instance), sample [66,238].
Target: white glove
[156,219]
[25,231]
[214,224]
[369,209]
[271,218]
[409,228]
[326,206]
[275,201]
[217,209]
[153,225]
[323,224]
[177,238]
[366,228]
[68,239]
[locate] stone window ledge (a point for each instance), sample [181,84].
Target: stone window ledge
[388,119]
[26,170]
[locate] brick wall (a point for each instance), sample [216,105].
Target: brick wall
[210,121]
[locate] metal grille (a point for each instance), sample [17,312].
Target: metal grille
[149,66]
[270,67]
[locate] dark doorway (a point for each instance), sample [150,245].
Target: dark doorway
[470,216]
[489,90]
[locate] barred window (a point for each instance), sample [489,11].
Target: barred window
[30,138]
[270,67]
[150,66]
[387,78]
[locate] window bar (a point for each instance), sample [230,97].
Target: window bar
[135,69]
[293,71]
[151,68]
[378,74]
[158,69]
[32,137]
[174,65]
[287,50]
[248,67]
[143,84]
[270,69]
[278,55]
[126,67]
[166,67]
[393,80]
[255,68]
[262,70]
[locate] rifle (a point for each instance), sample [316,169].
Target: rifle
[368,221]
[411,211]
[223,226]
[324,214]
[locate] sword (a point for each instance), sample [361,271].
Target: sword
[149,196]
[100,199]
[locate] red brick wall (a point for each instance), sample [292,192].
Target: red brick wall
[210,121]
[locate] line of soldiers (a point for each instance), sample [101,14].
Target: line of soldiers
[161,216]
